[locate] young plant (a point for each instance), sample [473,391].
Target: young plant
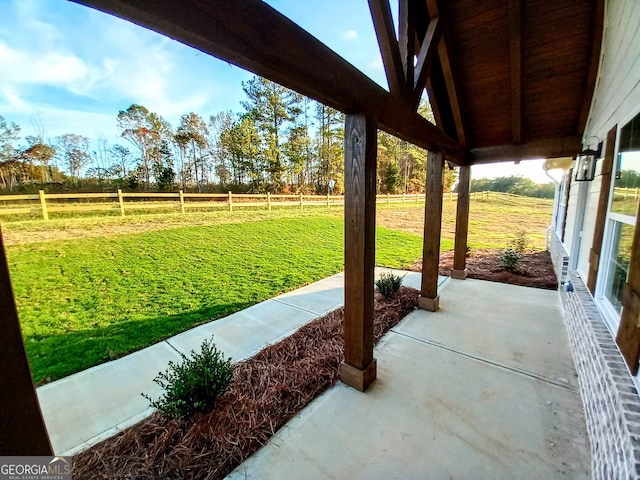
[388,284]
[520,243]
[509,258]
[193,385]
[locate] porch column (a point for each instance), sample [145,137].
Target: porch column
[22,429]
[429,299]
[462,225]
[360,147]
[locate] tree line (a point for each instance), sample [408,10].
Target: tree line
[517,185]
[280,142]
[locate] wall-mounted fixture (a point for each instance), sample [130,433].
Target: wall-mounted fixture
[586,162]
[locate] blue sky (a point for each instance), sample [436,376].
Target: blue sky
[67,68]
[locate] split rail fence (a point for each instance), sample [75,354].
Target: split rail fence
[42,204]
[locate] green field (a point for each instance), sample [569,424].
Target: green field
[82,302]
[100,288]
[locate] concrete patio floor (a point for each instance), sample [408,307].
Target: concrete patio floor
[483,388]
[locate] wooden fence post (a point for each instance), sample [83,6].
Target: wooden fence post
[388,199]
[301,202]
[404,198]
[328,201]
[121,202]
[181,194]
[230,202]
[43,205]
[417,197]
[269,200]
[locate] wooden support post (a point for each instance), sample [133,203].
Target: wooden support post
[328,200]
[43,205]
[22,429]
[359,367]
[230,202]
[429,299]
[269,200]
[462,225]
[417,197]
[301,202]
[388,199]
[404,198]
[121,202]
[181,194]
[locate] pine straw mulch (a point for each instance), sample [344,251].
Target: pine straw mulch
[267,390]
[534,269]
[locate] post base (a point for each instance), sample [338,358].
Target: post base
[430,304]
[459,274]
[356,378]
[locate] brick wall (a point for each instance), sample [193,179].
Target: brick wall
[611,401]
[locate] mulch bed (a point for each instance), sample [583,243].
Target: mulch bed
[534,269]
[268,389]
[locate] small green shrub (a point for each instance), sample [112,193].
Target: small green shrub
[520,243]
[509,258]
[388,284]
[192,386]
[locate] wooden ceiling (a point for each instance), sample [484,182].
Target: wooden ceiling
[524,71]
[507,79]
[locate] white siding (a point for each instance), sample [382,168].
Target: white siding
[571,218]
[616,101]
[617,95]
[589,223]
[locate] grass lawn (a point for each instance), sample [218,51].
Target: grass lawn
[82,302]
[93,289]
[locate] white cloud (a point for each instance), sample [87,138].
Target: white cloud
[350,35]
[78,67]
[375,64]
[50,68]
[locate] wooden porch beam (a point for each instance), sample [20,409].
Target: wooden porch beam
[360,149]
[515,56]
[426,55]
[256,37]
[594,64]
[429,299]
[446,60]
[549,148]
[407,41]
[22,428]
[462,224]
[388,43]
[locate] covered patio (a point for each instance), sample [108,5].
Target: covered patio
[483,392]
[507,81]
